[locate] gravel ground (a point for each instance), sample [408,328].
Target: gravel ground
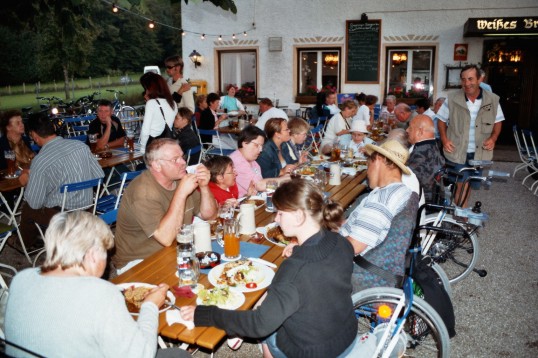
[493,314]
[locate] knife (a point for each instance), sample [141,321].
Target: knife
[263,262]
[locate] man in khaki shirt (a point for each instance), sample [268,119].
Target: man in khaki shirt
[158,202]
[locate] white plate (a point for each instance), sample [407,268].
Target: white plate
[263,277]
[233,113]
[251,198]
[235,301]
[263,230]
[169,295]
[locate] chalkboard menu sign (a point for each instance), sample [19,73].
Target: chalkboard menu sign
[362,51]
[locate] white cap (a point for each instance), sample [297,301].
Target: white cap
[358,126]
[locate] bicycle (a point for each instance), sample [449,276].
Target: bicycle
[87,104]
[457,249]
[119,108]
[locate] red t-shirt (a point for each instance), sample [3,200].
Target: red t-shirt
[222,195]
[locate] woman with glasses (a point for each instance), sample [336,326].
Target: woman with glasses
[160,109]
[230,103]
[179,87]
[249,174]
[292,149]
[308,311]
[271,160]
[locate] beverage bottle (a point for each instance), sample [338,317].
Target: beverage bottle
[188,265]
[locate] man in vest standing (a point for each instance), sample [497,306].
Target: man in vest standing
[470,123]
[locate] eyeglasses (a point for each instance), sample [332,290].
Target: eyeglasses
[176,160]
[260,146]
[170,67]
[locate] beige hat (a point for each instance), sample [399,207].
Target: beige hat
[393,151]
[358,126]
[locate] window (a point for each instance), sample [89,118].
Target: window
[410,71]
[318,68]
[238,68]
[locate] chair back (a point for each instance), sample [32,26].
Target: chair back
[192,151]
[110,217]
[377,111]
[391,254]
[209,148]
[87,184]
[82,138]
[125,179]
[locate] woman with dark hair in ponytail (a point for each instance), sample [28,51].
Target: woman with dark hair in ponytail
[308,310]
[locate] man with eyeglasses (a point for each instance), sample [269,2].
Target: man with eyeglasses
[158,202]
[179,87]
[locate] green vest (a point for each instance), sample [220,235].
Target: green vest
[459,121]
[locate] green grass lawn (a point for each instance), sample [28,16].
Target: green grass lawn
[12,97]
[131,95]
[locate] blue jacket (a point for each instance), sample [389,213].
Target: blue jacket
[268,160]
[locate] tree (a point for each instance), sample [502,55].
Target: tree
[66,34]
[227,5]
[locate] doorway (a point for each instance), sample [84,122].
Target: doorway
[511,70]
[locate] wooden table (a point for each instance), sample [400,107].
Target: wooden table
[161,267]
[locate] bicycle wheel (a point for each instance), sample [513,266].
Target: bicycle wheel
[426,333]
[126,112]
[456,254]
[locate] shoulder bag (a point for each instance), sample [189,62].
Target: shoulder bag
[166,133]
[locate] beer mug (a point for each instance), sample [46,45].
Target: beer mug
[92,138]
[130,140]
[9,155]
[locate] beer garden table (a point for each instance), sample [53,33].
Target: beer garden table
[161,267]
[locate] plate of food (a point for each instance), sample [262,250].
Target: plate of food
[258,202]
[134,294]
[241,276]
[273,233]
[307,171]
[222,297]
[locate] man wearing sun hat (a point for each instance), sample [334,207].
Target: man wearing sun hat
[368,225]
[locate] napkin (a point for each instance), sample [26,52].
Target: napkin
[173,316]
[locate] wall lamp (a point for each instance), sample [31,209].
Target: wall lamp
[195,58]
[364,17]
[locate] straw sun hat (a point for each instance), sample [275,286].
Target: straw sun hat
[392,150]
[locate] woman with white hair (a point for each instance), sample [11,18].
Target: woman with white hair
[65,309]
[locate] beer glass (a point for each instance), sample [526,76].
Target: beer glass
[11,164]
[130,140]
[92,138]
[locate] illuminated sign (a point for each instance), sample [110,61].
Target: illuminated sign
[491,26]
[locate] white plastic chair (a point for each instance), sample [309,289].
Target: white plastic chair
[530,147]
[210,149]
[525,157]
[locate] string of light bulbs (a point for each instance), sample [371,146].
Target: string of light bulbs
[153,23]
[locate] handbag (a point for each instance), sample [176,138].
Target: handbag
[166,133]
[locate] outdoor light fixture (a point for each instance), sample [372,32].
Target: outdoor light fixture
[183,33]
[233,36]
[115,8]
[202,37]
[220,38]
[195,58]
[364,17]
[244,33]
[151,24]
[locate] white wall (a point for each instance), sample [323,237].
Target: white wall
[439,22]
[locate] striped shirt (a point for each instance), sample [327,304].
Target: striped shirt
[370,222]
[61,161]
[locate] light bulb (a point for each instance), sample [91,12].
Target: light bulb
[202,37]
[115,8]
[233,36]
[151,24]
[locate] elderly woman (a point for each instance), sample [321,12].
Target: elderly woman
[291,150]
[390,103]
[160,108]
[338,127]
[308,310]
[72,312]
[249,174]
[230,103]
[14,139]
[271,160]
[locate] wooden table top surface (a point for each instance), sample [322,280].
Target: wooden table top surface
[161,267]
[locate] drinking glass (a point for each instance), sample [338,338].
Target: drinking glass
[231,239]
[11,164]
[270,188]
[130,140]
[188,265]
[92,138]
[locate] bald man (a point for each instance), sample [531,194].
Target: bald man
[425,158]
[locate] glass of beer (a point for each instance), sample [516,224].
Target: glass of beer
[130,140]
[335,153]
[92,138]
[231,239]
[11,164]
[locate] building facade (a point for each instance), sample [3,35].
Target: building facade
[288,50]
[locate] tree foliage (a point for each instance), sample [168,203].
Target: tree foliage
[227,5]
